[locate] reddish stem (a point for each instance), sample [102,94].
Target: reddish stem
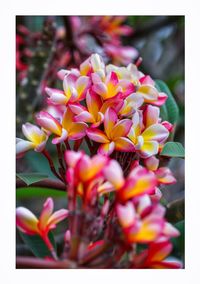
[48,157]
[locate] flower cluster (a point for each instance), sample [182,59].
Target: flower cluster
[115,107]
[134,212]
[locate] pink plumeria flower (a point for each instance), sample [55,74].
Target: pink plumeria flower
[29,224]
[37,139]
[139,181]
[90,114]
[156,256]
[163,174]
[67,129]
[139,227]
[120,54]
[147,140]
[115,135]
[84,167]
[75,89]
[131,104]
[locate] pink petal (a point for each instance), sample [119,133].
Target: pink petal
[100,89]
[26,221]
[46,213]
[56,96]
[124,144]
[148,149]
[57,217]
[162,97]
[106,148]
[23,146]
[156,132]
[165,176]
[72,157]
[97,135]
[114,174]
[82,85]
[121,129]
[48,122]
[151,163]
[151,115]
[85,116]
[110,120]
[126,214]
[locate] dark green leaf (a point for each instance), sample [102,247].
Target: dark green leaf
[30,178]
[37,245]
[171,112]
[179,243]
[173,149]
[27,192]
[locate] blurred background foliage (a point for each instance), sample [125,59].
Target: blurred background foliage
[43,48]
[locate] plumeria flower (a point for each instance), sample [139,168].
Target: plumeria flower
[163,174]
[147,140]
[143,222]
[120,54]
[94,64]
[29,224]
[75,89]
[131,104]
[115,135]
[37,139]
[90,114]
[67,129]
[156,256]
[139,181]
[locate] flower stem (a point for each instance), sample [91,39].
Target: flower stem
[48,157]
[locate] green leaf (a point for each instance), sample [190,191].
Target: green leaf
[28,192]
[170,110]
[179,243]
[37,245]
[30,178]
[173,149]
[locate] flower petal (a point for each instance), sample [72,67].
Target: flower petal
[155,132]
[33,133]
[46,213]
[97,135]
[26,221]
[165,176]
[114,174]
[110,120]
[151,163]
[151,115]
[77,131]
[126,214]
[94,103]
[121,129]
[148,149]
[106,149]
[72,158]
[82,85]
[23,146]
[101,89]
[57,217]
[48,122]
[124,144]
[56,96]
[149,93]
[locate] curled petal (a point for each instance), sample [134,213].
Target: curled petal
[61,138]
[106,148]
[77,108]
[124,144]
[48,122]
[57,217]
[26,221]
[162,97]
[56,96]
[97,135]
[114,174]
[33,133]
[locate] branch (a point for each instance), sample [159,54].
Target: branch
[50,183]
